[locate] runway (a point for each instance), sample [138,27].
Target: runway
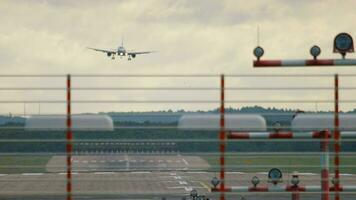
[128,162]
[120,180]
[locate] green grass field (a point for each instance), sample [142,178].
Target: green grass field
[23,164]
[285,163]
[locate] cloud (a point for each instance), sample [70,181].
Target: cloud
[199,37]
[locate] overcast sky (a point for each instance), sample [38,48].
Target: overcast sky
[190,37]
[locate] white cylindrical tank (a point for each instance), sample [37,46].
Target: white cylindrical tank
[79,122]
[233,122]
[319,122]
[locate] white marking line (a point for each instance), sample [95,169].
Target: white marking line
[183,182]
[102,161]
[65,173]
[127,162]
[75,161]
[261,173]
[177,177]
[32,174]
[3,174]
[186,188]
[346,174]
[172,174]
[307,174]
[141,172]
[235,172]
[185,162]
[104,172]
[93,161]
[197,172]
[84,161]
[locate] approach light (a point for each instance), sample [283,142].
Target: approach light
[258,52]
[334,182]
[194,193]
[295,179]
[343,43]
[275,176]
[255,181]
[315,51]
[215,182]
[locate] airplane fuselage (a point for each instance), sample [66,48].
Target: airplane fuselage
[121,51]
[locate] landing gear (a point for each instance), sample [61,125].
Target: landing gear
[113,57]
[129,58]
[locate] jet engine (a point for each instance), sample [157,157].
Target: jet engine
[133,55]
[109,54]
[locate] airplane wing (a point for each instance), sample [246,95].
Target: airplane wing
[103,50]
[139,52]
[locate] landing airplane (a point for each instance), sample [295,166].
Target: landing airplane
[121,51]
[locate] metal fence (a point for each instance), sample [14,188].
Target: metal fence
[148,155]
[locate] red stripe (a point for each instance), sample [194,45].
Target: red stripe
[69,147]
[238,135]
[291,188]
[222,137]
[258,189]
[267,63]
[336,136]
[319,62]
[281,135]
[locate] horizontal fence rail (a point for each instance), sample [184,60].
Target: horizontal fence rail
[148,154]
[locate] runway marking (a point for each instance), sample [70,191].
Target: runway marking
[160,160]
[141,172]
[205,186]
[84,161]
[178,161]
[76,161]
[32,174]
[307,174]
[197,172]
[169,161]
[235,172]
[346,174]
[261,173]
[104,172]
[185,162]
[183,182]
[93,161]
[3,174]
[132,160]
[151,161]
[127,162]
[102,161]
[172,174]
[177,177]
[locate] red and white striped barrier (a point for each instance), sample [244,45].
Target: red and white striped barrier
[285,188]
[303,63]
[285,135]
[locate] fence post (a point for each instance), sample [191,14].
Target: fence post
[69,137]
[324,150]
[222,137]
[336,135]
